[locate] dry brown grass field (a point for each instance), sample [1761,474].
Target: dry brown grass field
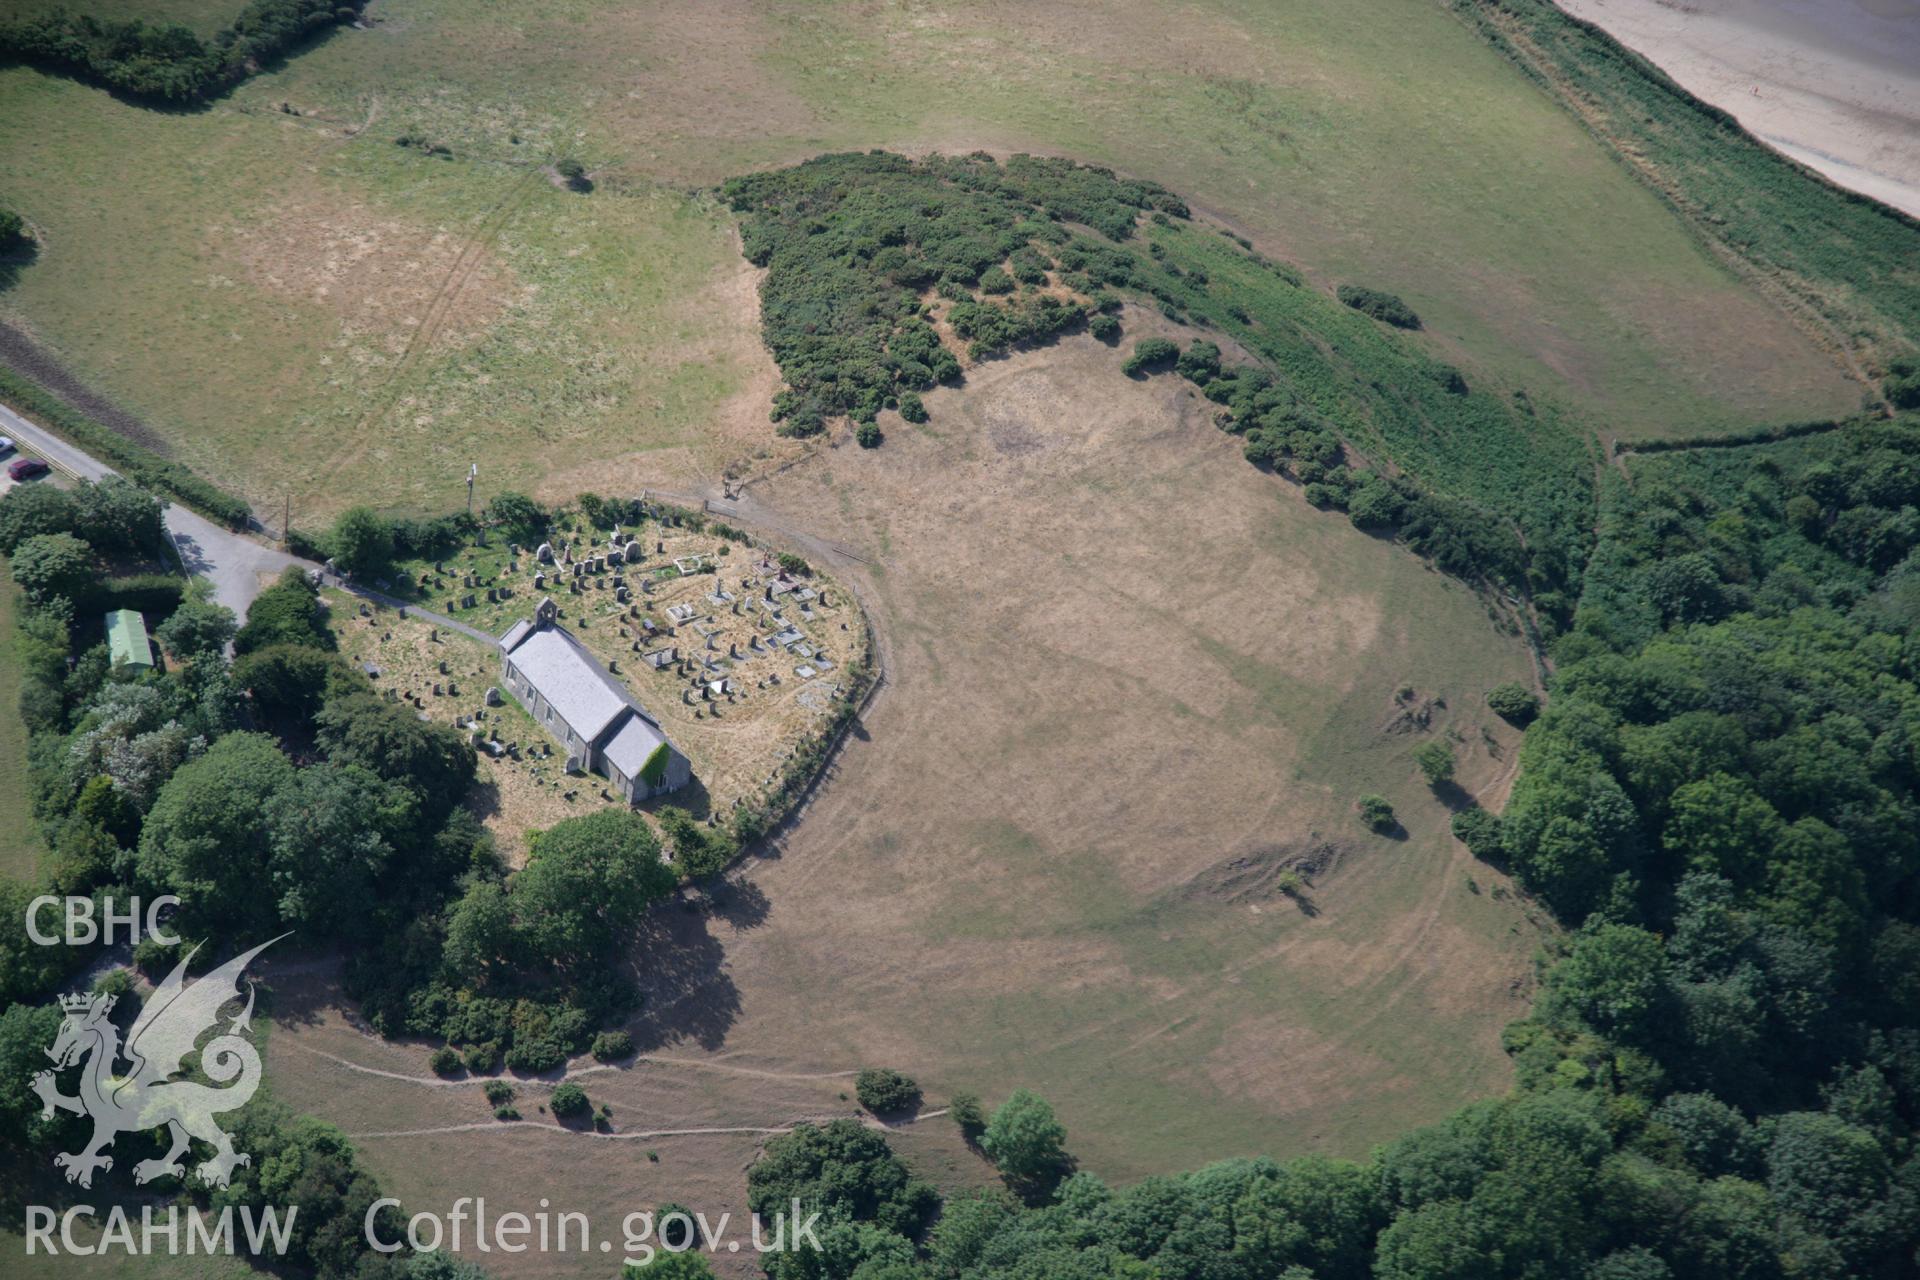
[685,1124]
[1129,680]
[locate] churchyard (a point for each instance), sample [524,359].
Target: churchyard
[742,655]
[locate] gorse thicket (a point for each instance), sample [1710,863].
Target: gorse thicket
[851,242]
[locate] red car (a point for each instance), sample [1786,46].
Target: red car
[26,468]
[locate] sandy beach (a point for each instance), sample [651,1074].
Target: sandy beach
[1833,83]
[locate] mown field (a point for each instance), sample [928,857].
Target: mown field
[1133,677]
[306,308]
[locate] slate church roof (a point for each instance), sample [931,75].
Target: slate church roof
[584,693]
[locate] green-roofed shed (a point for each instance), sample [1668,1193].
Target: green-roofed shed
[127,639]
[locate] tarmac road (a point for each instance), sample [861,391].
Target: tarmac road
[237,564]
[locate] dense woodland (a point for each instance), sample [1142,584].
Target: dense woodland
[169,63]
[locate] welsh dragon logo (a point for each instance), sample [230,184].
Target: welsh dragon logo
[145,1097]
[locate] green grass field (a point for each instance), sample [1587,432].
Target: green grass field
[265,322]
[1845,259]
[160,1266]
[306,308]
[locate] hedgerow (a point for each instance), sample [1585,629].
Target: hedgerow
[137,462]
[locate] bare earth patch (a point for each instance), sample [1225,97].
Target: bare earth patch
[379,275]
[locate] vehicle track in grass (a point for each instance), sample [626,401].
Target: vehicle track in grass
[574,1073]
[472,253]
[571,1072]
[497,1126]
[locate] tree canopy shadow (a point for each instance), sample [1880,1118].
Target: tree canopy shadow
[15,258]
[680,970]
[740,902]
[693,797]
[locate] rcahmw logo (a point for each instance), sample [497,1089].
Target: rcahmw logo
[133,1088]
[168,1230]
[82,931]
[146,1097]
